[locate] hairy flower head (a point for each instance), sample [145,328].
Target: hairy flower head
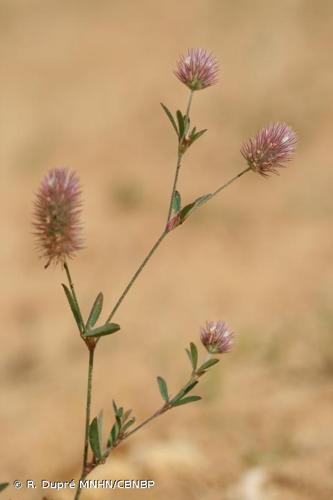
[57,209]
[197,69]
[217,337]
[270,149]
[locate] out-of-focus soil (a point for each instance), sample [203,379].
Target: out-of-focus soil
[81,84]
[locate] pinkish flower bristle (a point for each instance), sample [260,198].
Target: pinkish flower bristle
[197,69]
[217,337]
[57,216]
[270,149]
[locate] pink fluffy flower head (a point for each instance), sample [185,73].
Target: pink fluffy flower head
[270,149]
[217,337]
[197,69]
[57,209]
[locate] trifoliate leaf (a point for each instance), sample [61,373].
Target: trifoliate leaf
[194,136]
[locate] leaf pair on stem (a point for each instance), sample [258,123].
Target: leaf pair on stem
[87,330]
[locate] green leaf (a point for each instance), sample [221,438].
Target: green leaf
[103,330]
[186,124]
[3,486]
[208,364]
[128,424]
[176,202]
[163,388]
[100,421]
[115,432]
[185,401]
[189,209]
[95,438]
[118,420]
[126,415]
[118,413]
[171,118]
[95,311]
[187,388]
[196,136]
[74,307]
[115,408]
[100,428]
[189,354]
[181,124]
[194,355]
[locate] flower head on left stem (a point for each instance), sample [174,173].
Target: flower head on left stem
[57,209]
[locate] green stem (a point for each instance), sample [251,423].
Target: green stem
[88,407]
[164,408]
[167,406]
[86,432]
[161,237]
[136,274]
[159,412]
[229,182]
[233,179]
[189,104]
[179,160]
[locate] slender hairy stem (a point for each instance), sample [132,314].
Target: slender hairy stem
[70,281]
[161,237]
[91,348]
[179,160]
[164,408]
[159,412]
[88,406]
[86,432]
[230,182]
[136,274]
[189,104]
[78,490]
[210,196]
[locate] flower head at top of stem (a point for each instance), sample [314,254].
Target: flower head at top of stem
[217,337]
[270,149]
[57,209]
[197,69]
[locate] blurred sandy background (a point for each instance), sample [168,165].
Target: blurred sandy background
[81,83]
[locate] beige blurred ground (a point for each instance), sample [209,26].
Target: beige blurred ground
[81,83]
